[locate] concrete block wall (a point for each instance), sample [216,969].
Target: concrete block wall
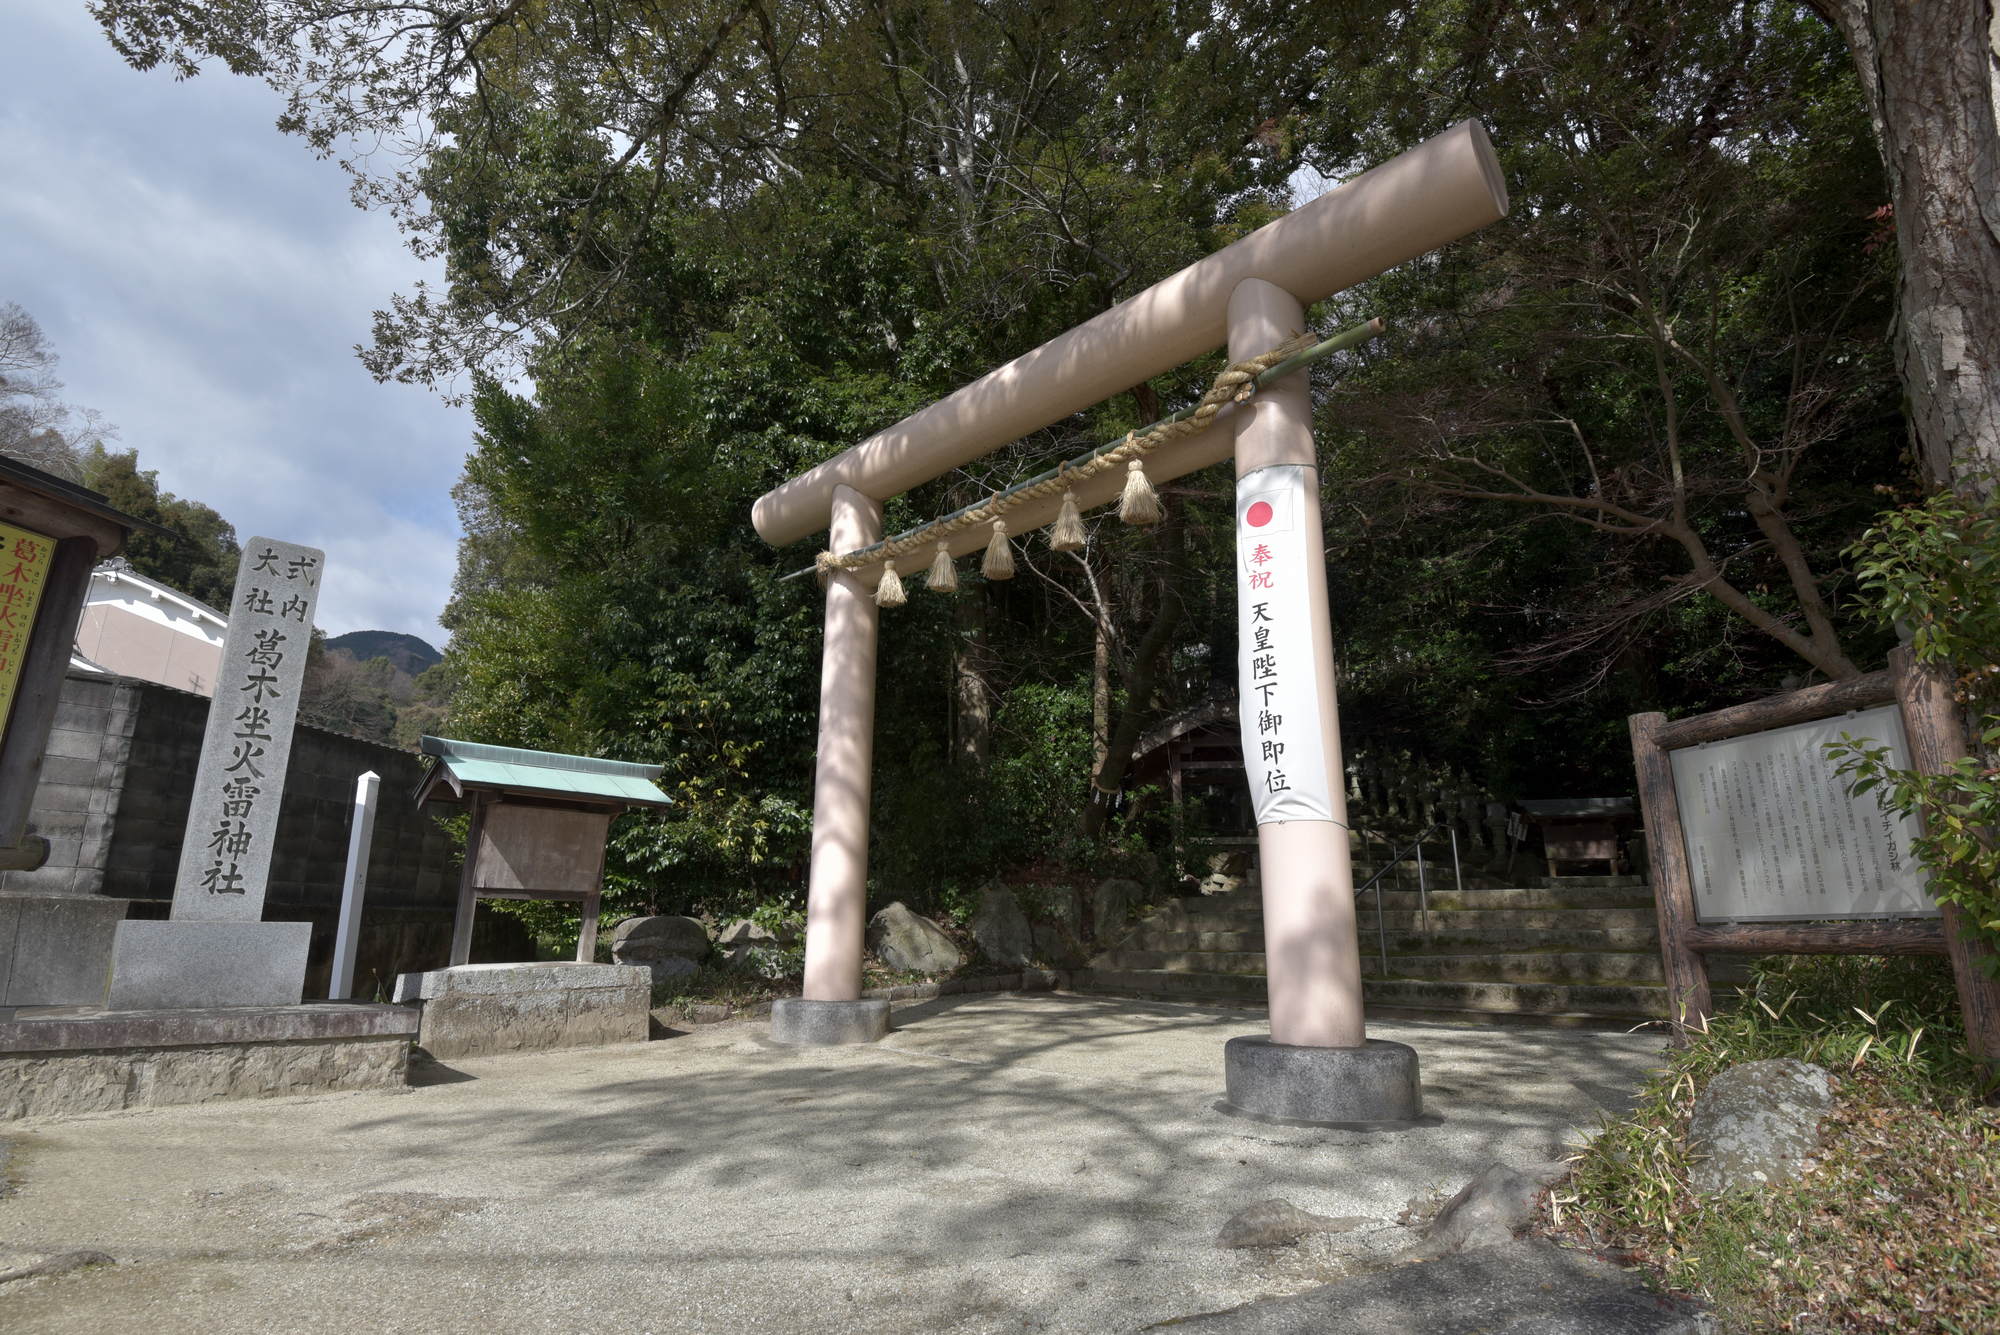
[113,804]
[77,801]
[154,791]
[408,864]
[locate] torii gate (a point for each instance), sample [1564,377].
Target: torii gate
[1318,1064]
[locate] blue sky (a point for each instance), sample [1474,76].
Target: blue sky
[205,281]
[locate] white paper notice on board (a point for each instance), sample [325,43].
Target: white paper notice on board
[1773,835]
[1277,673]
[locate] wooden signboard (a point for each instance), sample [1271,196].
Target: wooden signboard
[24,570]
[1773,835]
[1758,849]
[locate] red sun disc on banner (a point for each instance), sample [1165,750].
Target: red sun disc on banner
[1258,515]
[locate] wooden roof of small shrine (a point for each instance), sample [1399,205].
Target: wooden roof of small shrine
[468,767]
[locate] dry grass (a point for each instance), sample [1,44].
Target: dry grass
[1898,1229]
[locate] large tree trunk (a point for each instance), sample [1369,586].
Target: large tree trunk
[1109,779]
[969,669]
[1100,700]
[1929,69]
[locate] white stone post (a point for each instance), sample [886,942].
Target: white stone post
[838,894]
[360,838]
[1291,732]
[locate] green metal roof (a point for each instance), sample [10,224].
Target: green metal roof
[476,765]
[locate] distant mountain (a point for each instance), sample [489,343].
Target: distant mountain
[407,652]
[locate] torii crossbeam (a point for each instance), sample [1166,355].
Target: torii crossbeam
[1318,1064]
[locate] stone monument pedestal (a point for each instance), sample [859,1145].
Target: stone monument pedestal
[479,1010]
[184,963]
[56,949]
[1372,1086]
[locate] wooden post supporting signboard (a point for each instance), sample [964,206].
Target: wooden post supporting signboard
[1673,893]
[1937,741]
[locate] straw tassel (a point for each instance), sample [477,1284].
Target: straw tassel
[889,593]
[944,571]
[1068,533]
[999,563]
[1140,504]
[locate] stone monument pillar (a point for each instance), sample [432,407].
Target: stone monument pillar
[216,950]
[1318,1064]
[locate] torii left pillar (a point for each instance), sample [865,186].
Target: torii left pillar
[832,1011]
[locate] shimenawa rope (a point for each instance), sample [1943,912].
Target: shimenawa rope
[1234,384]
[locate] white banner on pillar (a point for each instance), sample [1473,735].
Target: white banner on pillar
[1278,678]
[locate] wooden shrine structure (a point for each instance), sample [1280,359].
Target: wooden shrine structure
[539,823]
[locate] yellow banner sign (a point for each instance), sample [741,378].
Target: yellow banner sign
[24,569]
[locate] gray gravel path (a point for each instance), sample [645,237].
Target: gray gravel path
[1003,1162]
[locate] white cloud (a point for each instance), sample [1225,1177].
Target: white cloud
[206,280]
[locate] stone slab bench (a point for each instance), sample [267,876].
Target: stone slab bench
[483,1010]
[60,1061]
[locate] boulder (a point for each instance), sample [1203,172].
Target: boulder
[1055,947]
[740,935]
[1111,909]
[643,940]
[1280,1224]
[1489,1210]
[1001,929]
[908,942]
[1065,905]
[741,938]
[737,940]
[1756,1124]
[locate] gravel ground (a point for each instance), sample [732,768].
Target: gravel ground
[1003,1162]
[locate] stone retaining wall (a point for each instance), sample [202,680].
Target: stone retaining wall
[1029,980]
[63,1084]
[63,1063]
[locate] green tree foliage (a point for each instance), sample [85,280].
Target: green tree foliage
[200,560]
[1609,456]
[1932,569]
[1609,459]
[542,149]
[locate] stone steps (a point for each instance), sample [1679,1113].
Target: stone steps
[1554,966]
[1454,935]
[1571,951]
[1566,1004]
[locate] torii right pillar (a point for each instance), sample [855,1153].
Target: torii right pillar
[1318,1065]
